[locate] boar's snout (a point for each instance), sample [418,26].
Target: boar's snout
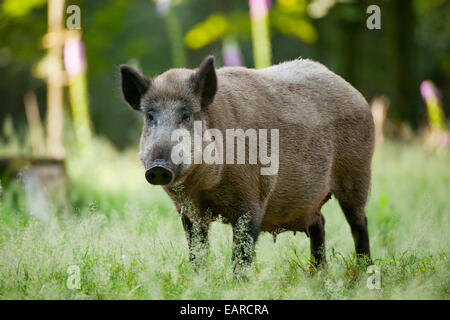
[159,173]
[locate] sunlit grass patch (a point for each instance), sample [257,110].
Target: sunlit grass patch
[128,241]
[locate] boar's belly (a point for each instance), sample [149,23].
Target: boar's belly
[288,218]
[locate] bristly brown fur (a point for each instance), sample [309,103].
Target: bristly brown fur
[326,135]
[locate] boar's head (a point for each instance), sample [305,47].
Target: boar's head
[171,101]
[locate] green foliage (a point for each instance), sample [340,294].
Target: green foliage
[206,32]
[289,17]
[13,143]
[376,62]
[20,8]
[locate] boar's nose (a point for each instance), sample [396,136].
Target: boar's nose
[159,173]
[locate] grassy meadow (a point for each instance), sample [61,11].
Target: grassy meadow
[128,242]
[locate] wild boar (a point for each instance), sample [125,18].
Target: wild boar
[325,147]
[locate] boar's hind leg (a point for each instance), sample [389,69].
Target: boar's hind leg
[356,217]
[197,237]
[317,240]
[245,234]
[352,190]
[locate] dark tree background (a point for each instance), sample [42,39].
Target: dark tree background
[413,45]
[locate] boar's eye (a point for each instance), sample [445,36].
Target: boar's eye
[185,116]
[150,119]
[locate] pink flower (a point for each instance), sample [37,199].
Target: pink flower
[429,91]
[74,57]
[258,8]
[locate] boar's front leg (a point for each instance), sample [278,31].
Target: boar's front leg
[246,229]
[316,233]
[197,238]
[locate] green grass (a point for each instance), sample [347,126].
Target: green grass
[127,240]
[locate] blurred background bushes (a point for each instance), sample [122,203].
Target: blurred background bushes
[412,45]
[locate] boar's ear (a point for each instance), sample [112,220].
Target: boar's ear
[205,81]
[134,85]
